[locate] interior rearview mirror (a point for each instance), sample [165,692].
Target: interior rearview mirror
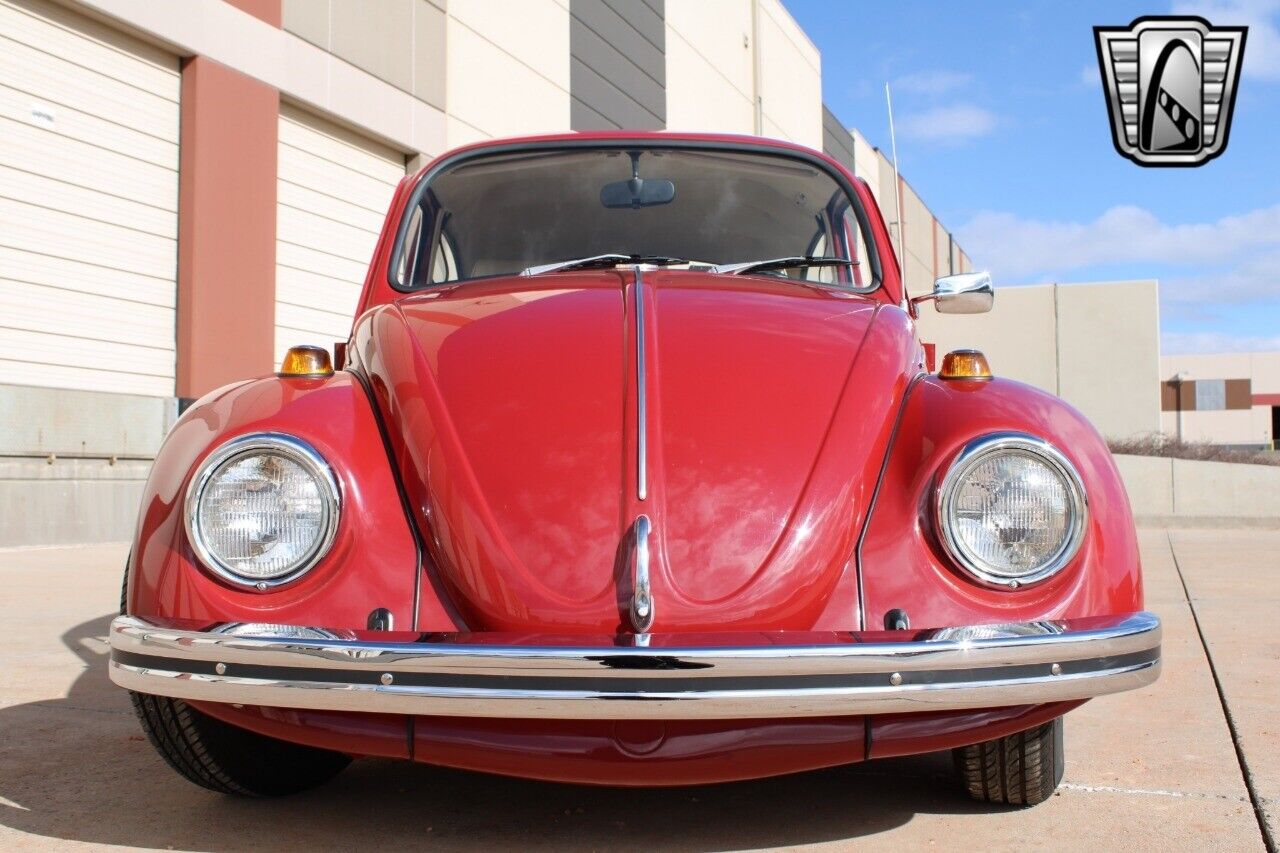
[637,192]
[964,293]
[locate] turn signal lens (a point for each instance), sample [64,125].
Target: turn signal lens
[966,633]
[306,361]
[965,364]
[273,631]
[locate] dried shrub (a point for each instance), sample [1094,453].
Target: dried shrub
[1168,447]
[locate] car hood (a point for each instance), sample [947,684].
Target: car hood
[512,410]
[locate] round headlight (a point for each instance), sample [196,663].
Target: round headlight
[1011,510]
[262,510]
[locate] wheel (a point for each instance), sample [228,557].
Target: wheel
[228,759]
[225,758]
[1019,769]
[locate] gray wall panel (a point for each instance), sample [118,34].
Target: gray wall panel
[648,19]
[38,421]
[600,56]
[638,47]
[659,8]
[837,141]
[69,502]
[582,117]
[617,76]
[600,95]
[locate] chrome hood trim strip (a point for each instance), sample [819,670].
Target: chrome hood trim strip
[642,409]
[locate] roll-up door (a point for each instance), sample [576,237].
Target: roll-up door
[334,189]
[88,202]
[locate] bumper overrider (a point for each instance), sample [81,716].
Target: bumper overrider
[675,676]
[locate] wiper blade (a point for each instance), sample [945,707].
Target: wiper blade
[794,262]
[597,261]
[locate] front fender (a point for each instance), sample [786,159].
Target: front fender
[902,562]
[374,561]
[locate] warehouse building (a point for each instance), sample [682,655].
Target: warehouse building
[1096,345]
[1230,399]
[188,188]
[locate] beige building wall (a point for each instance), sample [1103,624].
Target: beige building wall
[303,71]
[941,249]
[917,233]
[1251,426]
[709,66]
[866,165]
[1019,336]
[401,42]
[790,78]
[712,67]
[1095,345]
[507,70]
[1108,350]
[929,251]
[1241,426]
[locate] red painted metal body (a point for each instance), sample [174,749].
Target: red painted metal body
[479,435]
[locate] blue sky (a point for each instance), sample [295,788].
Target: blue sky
[1003,131]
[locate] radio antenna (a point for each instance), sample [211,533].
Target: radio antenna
[897,193]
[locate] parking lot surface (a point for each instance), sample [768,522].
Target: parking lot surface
[1190,763]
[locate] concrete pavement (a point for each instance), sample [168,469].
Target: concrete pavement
[1153,770]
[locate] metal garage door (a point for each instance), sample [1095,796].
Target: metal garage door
[88,202]
[334,188]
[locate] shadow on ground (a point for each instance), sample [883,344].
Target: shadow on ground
[80,769]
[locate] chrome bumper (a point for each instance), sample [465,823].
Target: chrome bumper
[719,676]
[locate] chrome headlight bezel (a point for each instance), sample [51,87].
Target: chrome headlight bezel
[295,450]
[980,450]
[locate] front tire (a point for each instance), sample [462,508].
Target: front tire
[223,757]
[229,759]
[1020,769]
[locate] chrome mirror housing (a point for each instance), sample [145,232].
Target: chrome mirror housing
[965,293]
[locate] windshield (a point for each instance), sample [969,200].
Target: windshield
[500,214]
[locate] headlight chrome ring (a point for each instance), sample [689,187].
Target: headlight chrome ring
[1011,444]
[291,449]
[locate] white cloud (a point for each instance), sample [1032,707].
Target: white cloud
[932,82]
[1174,343]
[1031,249]
[957,123]
[1255,278]
[1090,76]
[1212,275]
[1262,17]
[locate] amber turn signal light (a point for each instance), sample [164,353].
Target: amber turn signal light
[311,362]
[965,364]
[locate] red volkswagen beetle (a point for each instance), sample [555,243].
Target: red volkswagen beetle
[631,473]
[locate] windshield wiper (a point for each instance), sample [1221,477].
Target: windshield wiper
[782,264]
[597,261]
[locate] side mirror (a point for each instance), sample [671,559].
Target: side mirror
[965,293]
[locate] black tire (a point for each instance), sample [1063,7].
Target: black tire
[228,759]
[225,758]
[1018,770]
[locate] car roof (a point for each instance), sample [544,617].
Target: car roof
[646,137]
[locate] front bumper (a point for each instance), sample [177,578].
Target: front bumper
[718,676]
